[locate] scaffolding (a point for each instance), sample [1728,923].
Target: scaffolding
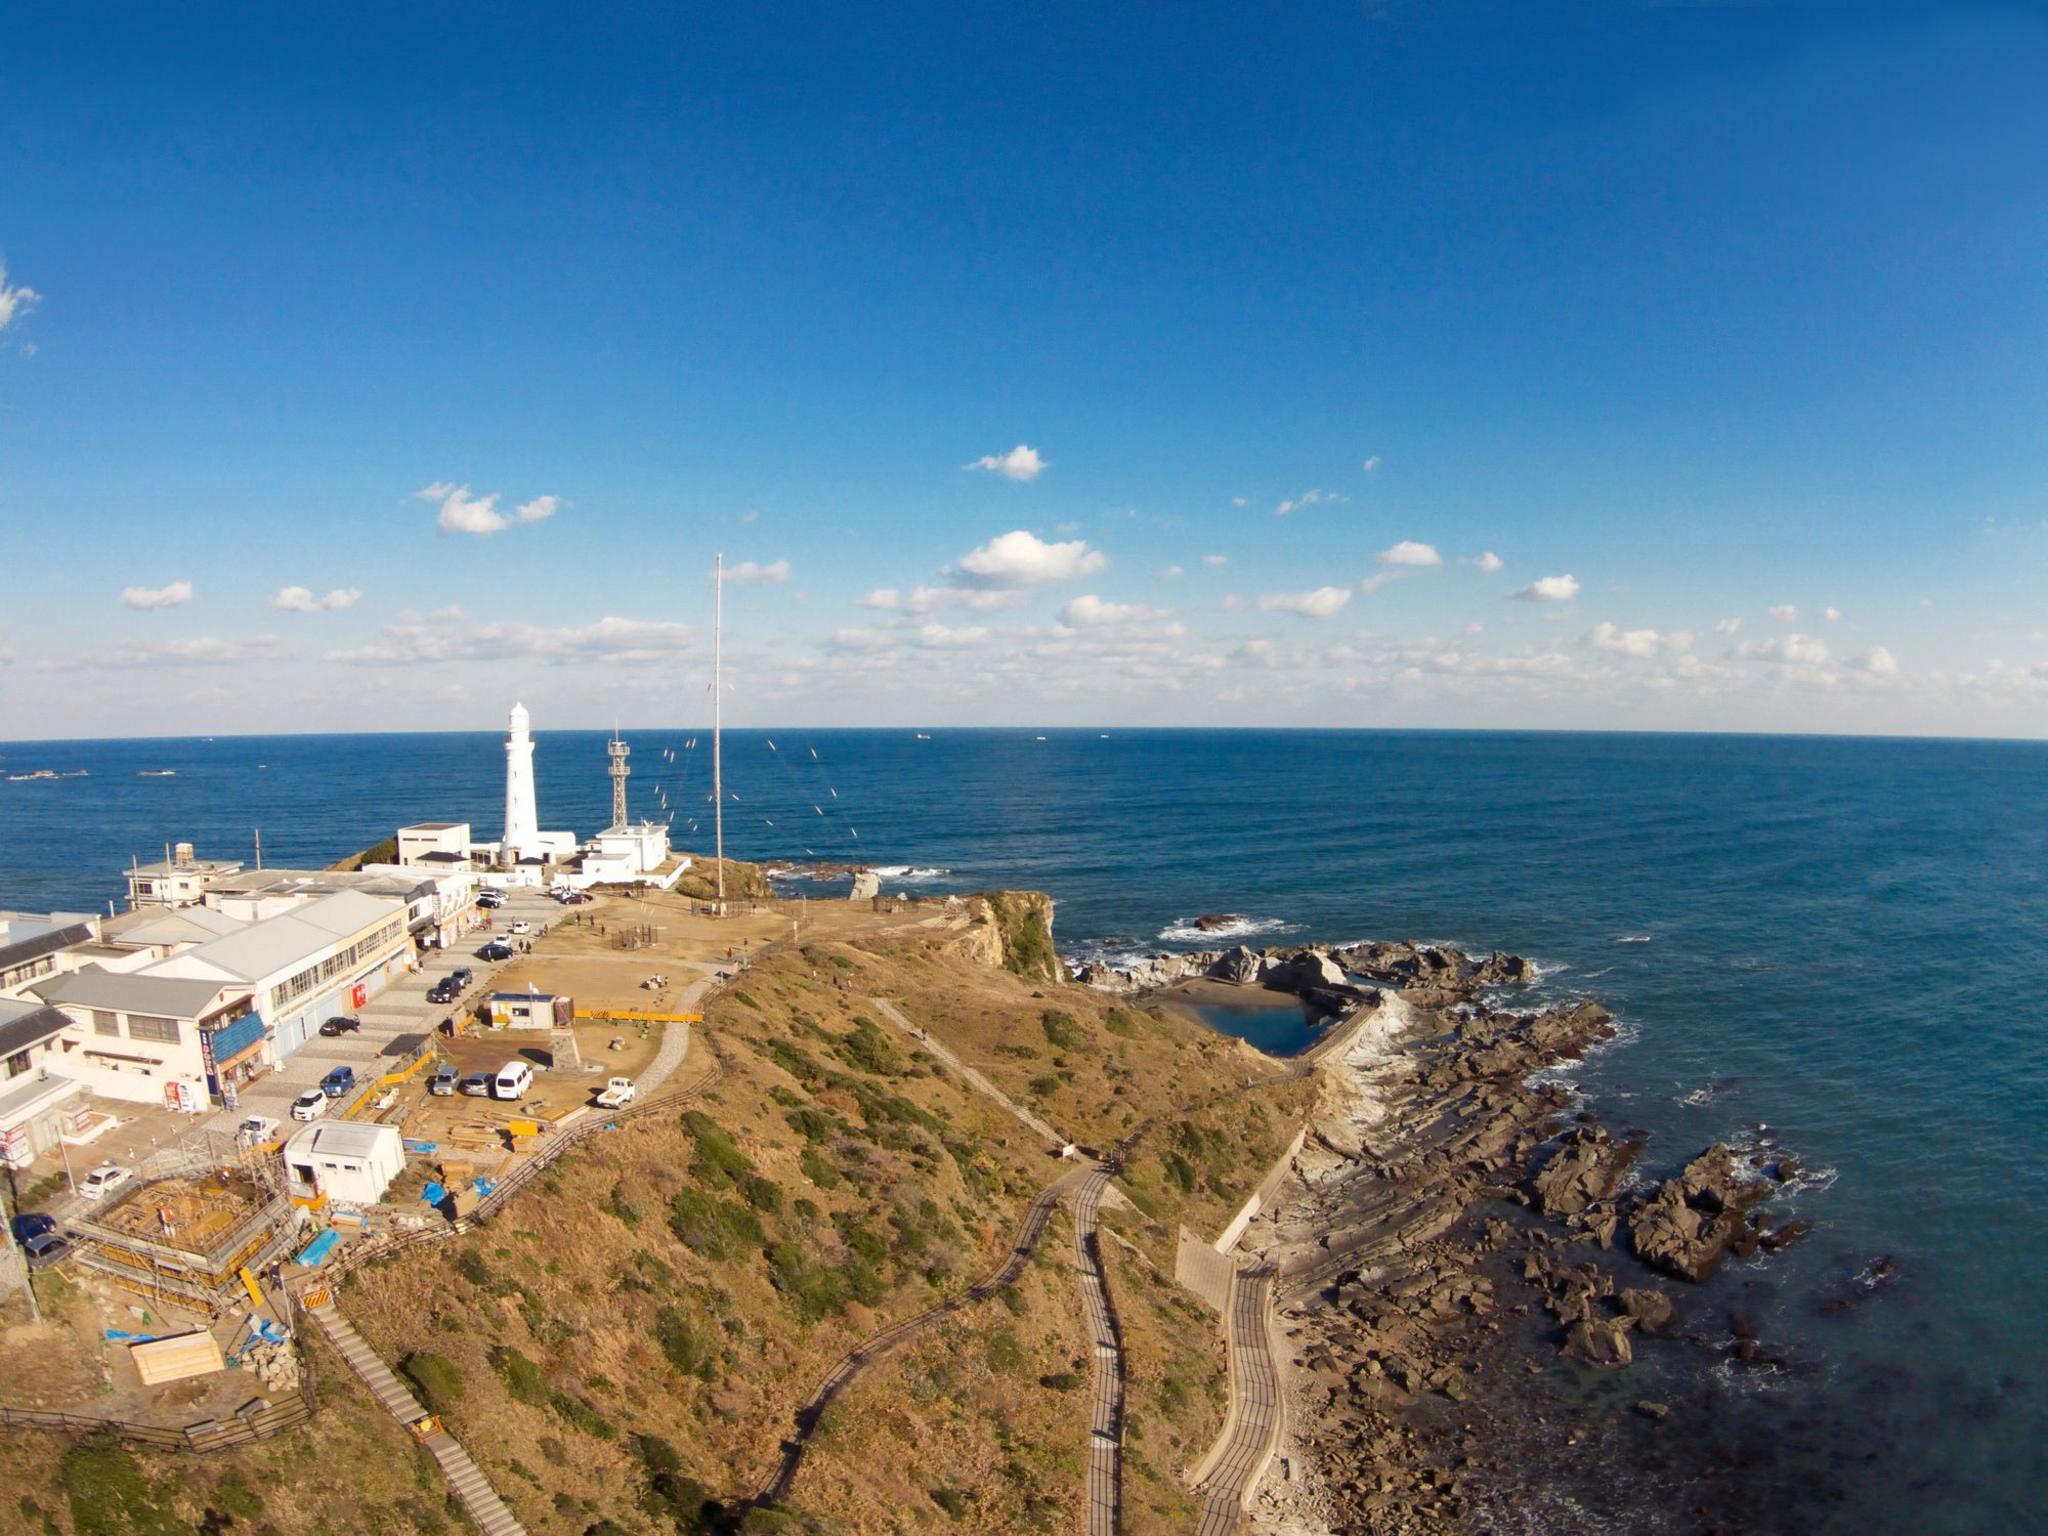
[184,1239]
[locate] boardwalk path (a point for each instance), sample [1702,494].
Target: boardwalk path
[1106,1432]
[1030,1232]
[463,1474]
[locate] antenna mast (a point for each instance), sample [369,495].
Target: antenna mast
[717,710]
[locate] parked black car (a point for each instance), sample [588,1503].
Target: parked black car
[495,951]
[31,1225]
[442,991]
[340,1024]
[462,975]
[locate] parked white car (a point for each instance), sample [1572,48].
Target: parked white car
[522,926]
[310,1105]
[618,1093]
[108,1176]
[258,1128]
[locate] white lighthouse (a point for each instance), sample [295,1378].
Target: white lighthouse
[522,816]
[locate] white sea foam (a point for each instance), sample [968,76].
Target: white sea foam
[1184,930]
[1633,938]
[1700,1097]
[909,874]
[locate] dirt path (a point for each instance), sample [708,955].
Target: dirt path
[973,1078]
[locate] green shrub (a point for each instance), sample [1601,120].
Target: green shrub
[867,1050]
[717,1229]
[762,1194]
[951,1500]
[1005,1354]
[813,1124]
[522,1377]
[690,1347]
[1061,1029]
[718,1163]
[110,1495]
[817,1169]
[584,1417]
[1122,1021]
[1060,1381]
[434,1379]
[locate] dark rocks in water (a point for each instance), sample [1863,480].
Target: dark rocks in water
[1784,1236]
[1209,922]
[1587,1169]
[1653,1311]
[1787,1169]
[1601,1343]
[1655,1412]
[1239,966]
[1691,1221]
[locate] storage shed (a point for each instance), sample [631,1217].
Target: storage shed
[529,1010]
[346,1163]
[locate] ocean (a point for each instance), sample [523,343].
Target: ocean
[1827,944]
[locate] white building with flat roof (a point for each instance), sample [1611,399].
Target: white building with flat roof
[178,881]
[343,1162]
[434,842]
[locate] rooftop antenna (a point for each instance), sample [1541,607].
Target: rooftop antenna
[717,712]
[618,751]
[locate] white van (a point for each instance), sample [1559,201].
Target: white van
[514,1081]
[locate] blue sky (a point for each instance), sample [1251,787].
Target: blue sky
[1712,310]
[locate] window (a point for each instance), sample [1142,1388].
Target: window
[104,1023]
[142,1026]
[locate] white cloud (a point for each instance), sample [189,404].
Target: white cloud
[1831,614]
[1371,463]
[607,640]
[167,596]
[1380,579]
[1322,603]
[1409,552]
[1488,562]
[1170,573]
[1550,589]
[1637,642]
[538,510]
[941,637]
[1238,501]
[15,302]
[1091,612]
[303,600]
[463,511]
[205,651]
[1215,562]
[1790,650]
[1877,661]
[1020,463]
[1786,613]
[931,599]
[1727,626]
[1311,498]
[752,573]
[1022,559]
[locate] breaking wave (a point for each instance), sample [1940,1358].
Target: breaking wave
[1186,931]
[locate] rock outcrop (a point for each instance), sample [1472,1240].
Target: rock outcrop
[1587,1169]
[1689,1224]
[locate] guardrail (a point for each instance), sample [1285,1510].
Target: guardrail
[205,1437]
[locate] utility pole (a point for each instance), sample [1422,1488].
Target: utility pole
[717,713]
[259,847]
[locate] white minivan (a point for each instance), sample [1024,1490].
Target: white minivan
[513,1081]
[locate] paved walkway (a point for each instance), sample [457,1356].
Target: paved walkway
[463,1474]
[974,1079]
[1106,1429]
[1251,1428]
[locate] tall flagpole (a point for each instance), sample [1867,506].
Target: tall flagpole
[717,709]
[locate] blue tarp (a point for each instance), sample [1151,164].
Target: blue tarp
[317,1251]
[433,1194]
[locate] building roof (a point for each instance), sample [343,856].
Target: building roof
[195,866]
[22,1098]
[181,925]
[173,997]
[23,1024]
[277,943]
[24,940]
[342,1138]
[435,826]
